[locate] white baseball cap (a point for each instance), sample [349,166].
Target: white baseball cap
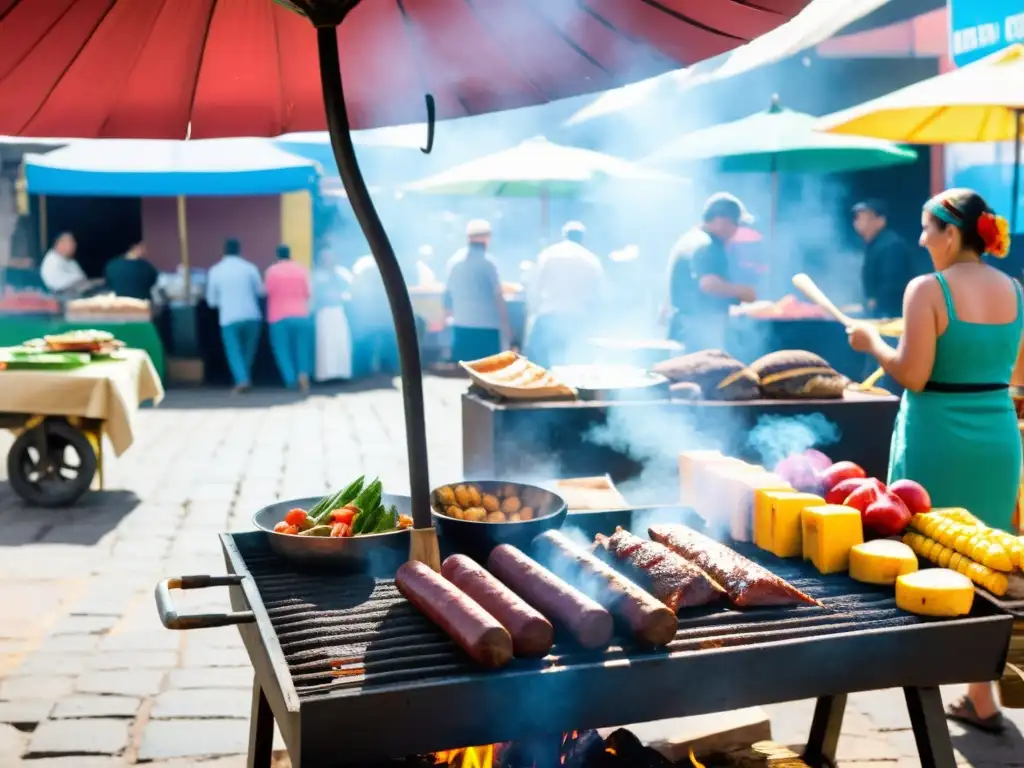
[478,228]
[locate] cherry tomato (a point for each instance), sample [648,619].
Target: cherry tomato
[343,515]
[281,527]
[341,531]
[404,521]
[295,516]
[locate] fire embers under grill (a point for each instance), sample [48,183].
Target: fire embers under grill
[578,749]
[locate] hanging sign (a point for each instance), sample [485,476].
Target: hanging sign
[978,28]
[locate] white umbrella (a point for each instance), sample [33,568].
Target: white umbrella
[537,168]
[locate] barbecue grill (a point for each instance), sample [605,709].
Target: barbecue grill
[352,673]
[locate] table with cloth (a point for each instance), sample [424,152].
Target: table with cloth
[103,392]
[16,329]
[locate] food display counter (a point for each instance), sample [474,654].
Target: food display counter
[571,438]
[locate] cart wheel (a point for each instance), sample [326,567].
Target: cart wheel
[51,465]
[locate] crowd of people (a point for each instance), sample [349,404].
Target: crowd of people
[336,323]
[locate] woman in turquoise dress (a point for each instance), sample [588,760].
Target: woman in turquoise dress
[956,432]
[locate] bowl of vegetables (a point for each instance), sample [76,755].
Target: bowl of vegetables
[358,529]
[472,518]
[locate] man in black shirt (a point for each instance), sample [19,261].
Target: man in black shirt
[131,275]
[889,261]
[700,291]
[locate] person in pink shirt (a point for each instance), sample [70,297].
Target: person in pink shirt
[291,326]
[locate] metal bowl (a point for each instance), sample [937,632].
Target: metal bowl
[478,539]
[379,554]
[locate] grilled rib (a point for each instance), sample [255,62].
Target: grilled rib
[673,580]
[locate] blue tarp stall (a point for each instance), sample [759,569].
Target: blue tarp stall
[144,168]
[150,168]
[180,169]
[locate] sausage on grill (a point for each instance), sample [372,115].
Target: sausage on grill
[745,582]
[649,619]
[477,632]
[590,624]
[532,634]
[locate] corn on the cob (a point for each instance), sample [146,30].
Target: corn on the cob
[945,557]
[959,514]
[1014,545]
[974,541]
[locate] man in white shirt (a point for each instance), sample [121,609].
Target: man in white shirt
[234,287]
[473,299]
[59,271]
[564,293]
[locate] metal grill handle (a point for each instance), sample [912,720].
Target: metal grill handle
[170,617]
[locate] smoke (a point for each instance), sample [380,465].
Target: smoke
[774,438]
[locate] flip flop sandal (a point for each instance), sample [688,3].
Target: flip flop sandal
[963,711]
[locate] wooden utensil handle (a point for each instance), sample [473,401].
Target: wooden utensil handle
[810,289]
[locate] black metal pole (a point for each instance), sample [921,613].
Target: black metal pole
[394,283]
[1018,115]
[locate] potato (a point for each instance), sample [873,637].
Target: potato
[445,496]
[526,513]
[509,489]
[511,504]
[495,517]
[462,496]
[475,514]
[474,495]
[515,517]
[490,503]
[453,511]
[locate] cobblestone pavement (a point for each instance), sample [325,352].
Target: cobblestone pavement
[89,678]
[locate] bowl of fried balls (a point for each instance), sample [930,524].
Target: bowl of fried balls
[472,518]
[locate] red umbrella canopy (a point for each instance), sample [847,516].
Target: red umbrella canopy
[152,68]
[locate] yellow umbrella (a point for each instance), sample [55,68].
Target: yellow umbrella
[983,101]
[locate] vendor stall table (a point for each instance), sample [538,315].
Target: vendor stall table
[748,338]
[16,329]
[52,410]
[575,438]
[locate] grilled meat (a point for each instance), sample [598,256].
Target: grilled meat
[673,580]
[746,583]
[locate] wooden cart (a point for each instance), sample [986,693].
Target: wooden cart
[60,417]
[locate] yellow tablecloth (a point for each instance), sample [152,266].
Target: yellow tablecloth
[110,391]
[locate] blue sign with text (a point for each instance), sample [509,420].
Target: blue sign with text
[978,28]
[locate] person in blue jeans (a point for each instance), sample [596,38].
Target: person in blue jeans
[233,288]
[291,328]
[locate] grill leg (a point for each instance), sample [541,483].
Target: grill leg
[825,728]
[261,730]
[931,733]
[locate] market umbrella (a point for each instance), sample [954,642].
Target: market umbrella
[776,141]
[213,68]
[983,101]
[536,168]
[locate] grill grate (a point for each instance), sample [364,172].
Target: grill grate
[347,634]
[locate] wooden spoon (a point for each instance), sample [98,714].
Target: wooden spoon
[810,289]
